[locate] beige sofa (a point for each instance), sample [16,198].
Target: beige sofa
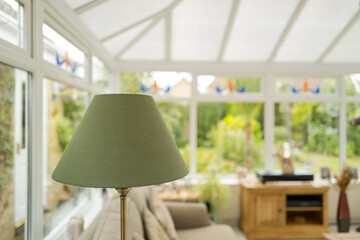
[190,220]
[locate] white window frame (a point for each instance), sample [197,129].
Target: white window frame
[269,98]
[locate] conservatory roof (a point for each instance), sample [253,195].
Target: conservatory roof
[225,31]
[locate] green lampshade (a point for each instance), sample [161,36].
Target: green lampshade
[122,141]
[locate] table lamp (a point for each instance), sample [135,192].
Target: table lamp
[121,142]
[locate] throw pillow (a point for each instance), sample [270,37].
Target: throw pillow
[161,212]
[137,236]
[153,228]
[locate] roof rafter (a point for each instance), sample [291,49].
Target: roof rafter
[168,35]
[228,29]
[339,36]
[287,29]
[155,21]
[160,13]
[88,6]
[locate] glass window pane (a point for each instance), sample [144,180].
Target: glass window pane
[12,22]
[65,107]
[353,135]
[208,84]
[230,135]
[306,86]
[312,131]
[175,84]
[176,116]
[13,152]
[62,53]
[352,85]
[100,74]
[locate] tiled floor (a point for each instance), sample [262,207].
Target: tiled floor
[241,235]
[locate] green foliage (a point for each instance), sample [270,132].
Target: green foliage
[208,116]
[7,88]
[176,116]
[68,120]
[64,130]
[73,110]
[229,139]
[320,141]
[131,82]
[222,135]
[213,192]
[185,153]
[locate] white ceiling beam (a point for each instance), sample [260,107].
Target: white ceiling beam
[138,36]
[160,13]
[168,35]
[287,29]
[340,36]
[228,29]
[241,68]
[88,6]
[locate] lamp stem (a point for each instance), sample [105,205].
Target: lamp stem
[123,195]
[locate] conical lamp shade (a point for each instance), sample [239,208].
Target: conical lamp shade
[122,141]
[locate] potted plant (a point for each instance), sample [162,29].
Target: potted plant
[343,214]
[213,193]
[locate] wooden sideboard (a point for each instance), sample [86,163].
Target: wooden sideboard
[267,210]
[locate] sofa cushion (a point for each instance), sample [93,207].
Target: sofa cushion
[140,196]
[162,214]
[154,230]
[137,236]
[109,226]
[212,232]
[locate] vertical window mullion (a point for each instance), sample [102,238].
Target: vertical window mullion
[342,122]
[193,125]
[269,91]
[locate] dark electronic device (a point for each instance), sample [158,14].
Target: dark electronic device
[277,175]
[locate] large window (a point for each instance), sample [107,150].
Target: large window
[353,135]
[176,116]
[228,115]
[12,22]
[13,153]
[209,84]
[60,52]
[174,84]
[100,74]
[306,86]
[352,83]
[230,135]
[65,107]
[312,132]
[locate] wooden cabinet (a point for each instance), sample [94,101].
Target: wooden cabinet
[270,211]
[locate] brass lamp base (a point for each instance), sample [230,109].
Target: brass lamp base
[123,195]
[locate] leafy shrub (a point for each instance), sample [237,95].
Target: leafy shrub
[64,131]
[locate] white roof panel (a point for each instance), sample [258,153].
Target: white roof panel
[197,29]
[257,28]
[150,47]
[114,15]
[210,31]
[316,27]
[348,49]
[118,43]
[77,3]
